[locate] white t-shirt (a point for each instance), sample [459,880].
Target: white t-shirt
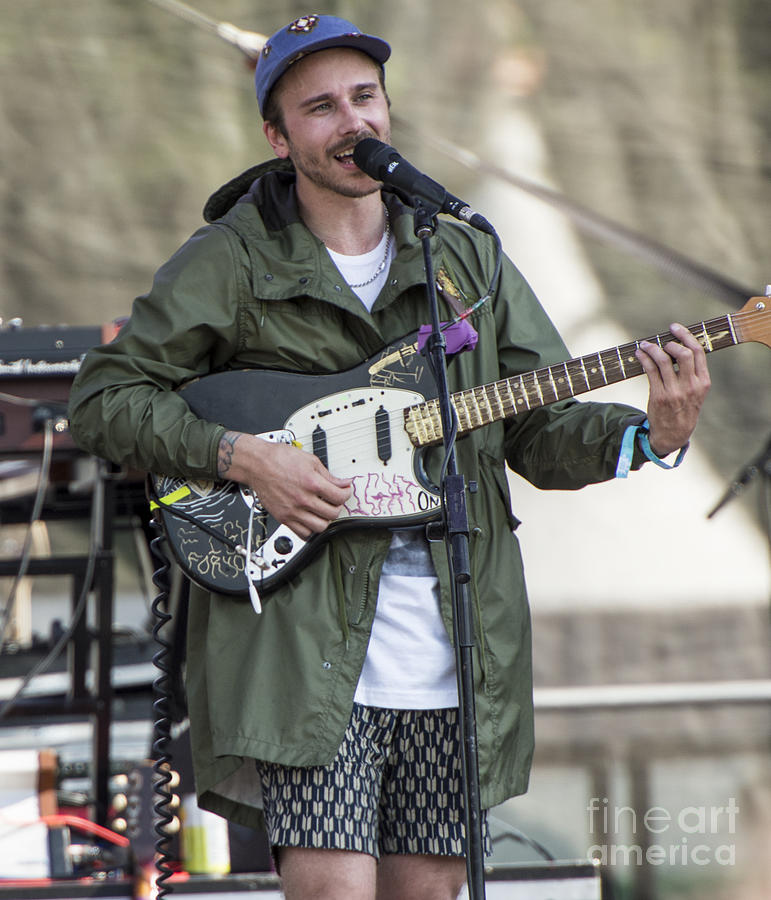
[356,269]
[410,663]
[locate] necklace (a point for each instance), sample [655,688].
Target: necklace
[384,260]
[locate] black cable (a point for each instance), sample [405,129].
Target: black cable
[162,724]
[37,507]
[450,445]
[79,610]
[199,523]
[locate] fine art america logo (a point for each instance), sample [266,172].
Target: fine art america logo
[692,835]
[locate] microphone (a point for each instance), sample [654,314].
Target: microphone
[383,163]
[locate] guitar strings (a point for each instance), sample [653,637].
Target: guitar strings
[532,385]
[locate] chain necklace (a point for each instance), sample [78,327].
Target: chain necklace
[384,260]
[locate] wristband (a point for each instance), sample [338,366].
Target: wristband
[641,432]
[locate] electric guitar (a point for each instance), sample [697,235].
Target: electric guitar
[369,424]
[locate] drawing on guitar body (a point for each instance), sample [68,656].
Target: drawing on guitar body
[353,421]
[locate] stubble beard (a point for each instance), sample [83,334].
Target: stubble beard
[311,167]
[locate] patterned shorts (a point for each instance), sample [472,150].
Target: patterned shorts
[394,787]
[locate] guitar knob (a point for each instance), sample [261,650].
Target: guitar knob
[283,545]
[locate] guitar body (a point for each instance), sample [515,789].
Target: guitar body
[353,421]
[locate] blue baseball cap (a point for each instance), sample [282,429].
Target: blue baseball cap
[306,35]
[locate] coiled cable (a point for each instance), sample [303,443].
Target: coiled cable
[162,815]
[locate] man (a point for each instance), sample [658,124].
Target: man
[343,688]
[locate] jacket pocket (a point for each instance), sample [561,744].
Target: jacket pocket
[495,470]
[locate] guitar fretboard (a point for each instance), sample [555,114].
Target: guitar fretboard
[503,399]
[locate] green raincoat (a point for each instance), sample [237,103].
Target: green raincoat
[254,288]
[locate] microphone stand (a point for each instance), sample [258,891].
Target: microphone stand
[758,465]
[455,532]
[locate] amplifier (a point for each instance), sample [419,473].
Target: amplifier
[37,366]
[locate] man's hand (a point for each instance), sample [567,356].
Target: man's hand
[676,393]
[292,484]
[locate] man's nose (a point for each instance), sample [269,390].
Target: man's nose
[349,118]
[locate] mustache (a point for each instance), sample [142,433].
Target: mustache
[349,143]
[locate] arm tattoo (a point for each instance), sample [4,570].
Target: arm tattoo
[225,452]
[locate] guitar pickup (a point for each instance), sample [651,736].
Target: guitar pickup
[319,438]
[383,434]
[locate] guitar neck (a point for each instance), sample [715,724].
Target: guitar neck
[503,399]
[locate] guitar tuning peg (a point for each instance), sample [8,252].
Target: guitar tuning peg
[768,290]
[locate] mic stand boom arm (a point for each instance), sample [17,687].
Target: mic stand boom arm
[455,532]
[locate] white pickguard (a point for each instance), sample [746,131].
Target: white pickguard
[388,490]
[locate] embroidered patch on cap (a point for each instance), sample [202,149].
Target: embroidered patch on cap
[304,25]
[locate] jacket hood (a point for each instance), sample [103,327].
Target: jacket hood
[242,187]
[226,197]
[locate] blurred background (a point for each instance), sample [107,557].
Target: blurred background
[649,126]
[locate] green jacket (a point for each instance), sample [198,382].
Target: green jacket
[255,288]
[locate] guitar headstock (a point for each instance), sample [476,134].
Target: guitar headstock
[753,321]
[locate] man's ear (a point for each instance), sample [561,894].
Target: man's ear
[276,139]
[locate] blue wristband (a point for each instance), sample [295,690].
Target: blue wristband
[626,453]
